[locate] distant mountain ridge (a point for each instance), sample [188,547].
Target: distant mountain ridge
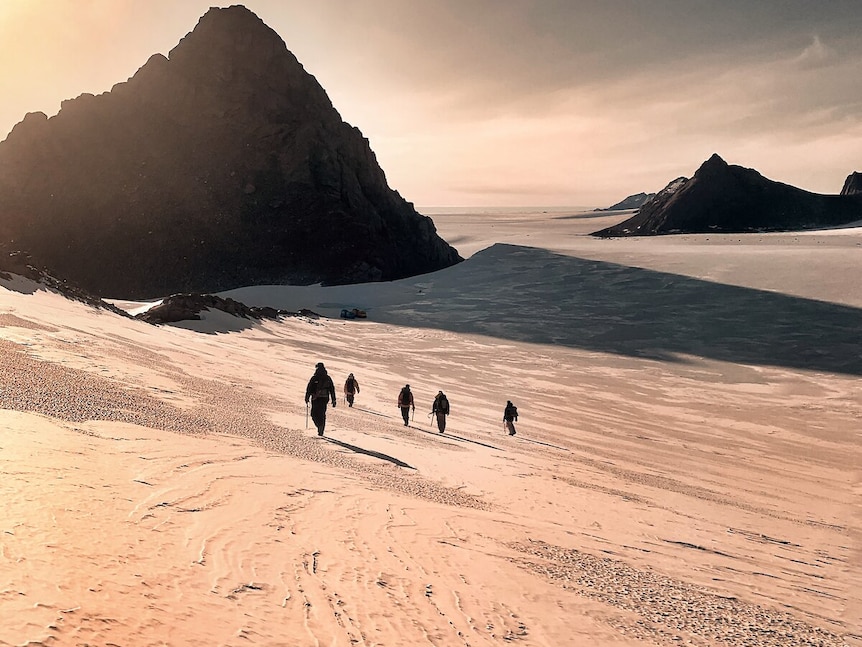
[733,199]
[630,202]
[222,165]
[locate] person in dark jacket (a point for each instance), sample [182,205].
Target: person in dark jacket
[320,390]
[510,415]
[405,402]
[351,388]
[440,408]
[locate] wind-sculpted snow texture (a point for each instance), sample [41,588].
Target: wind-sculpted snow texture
[159,485]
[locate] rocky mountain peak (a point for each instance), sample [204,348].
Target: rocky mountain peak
[232,35]
[714,164]
[853,184]
[221,165]
[721,197]
[232,62]
[233,48]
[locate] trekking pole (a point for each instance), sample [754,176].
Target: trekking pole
[306,415]
[431,419]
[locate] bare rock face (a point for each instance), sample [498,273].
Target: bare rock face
[20,264]
[187,307]
[732,199]
[222,165]
[853,184]
[630,202]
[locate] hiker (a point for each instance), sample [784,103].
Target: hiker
[405,401]
[351,388]
[510,415]
[441,409]
[320,390]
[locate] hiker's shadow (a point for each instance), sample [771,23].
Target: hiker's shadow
[369,452]
[451,436]
[375,413]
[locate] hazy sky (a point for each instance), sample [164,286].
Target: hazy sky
[513,102]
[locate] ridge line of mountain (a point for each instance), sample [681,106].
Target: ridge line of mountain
[221,165]
[725,198]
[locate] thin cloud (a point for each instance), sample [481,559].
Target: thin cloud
[816,55]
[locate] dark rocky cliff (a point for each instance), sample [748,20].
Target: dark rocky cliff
[630,202]
[222,165]
[853,184]
[732,199]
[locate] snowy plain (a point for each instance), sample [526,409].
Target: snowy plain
[686,468]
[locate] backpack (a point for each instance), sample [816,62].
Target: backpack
[321,389]
[442,404]
[404,398]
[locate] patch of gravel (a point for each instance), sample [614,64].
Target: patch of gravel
[14,321]
[671,611]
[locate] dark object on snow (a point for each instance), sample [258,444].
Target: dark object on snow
[405,403]
[187,307]
[440,409]
[355,313]
[319,391]
[510,416]
[725,198]
[351,388]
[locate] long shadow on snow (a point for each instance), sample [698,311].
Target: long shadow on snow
[533,295]
[449,435]
[369,452]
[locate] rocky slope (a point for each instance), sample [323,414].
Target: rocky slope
[221,165]
[729,198]
[630,202]
[853,184]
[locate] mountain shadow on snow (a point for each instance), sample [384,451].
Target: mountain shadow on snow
[534,295]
